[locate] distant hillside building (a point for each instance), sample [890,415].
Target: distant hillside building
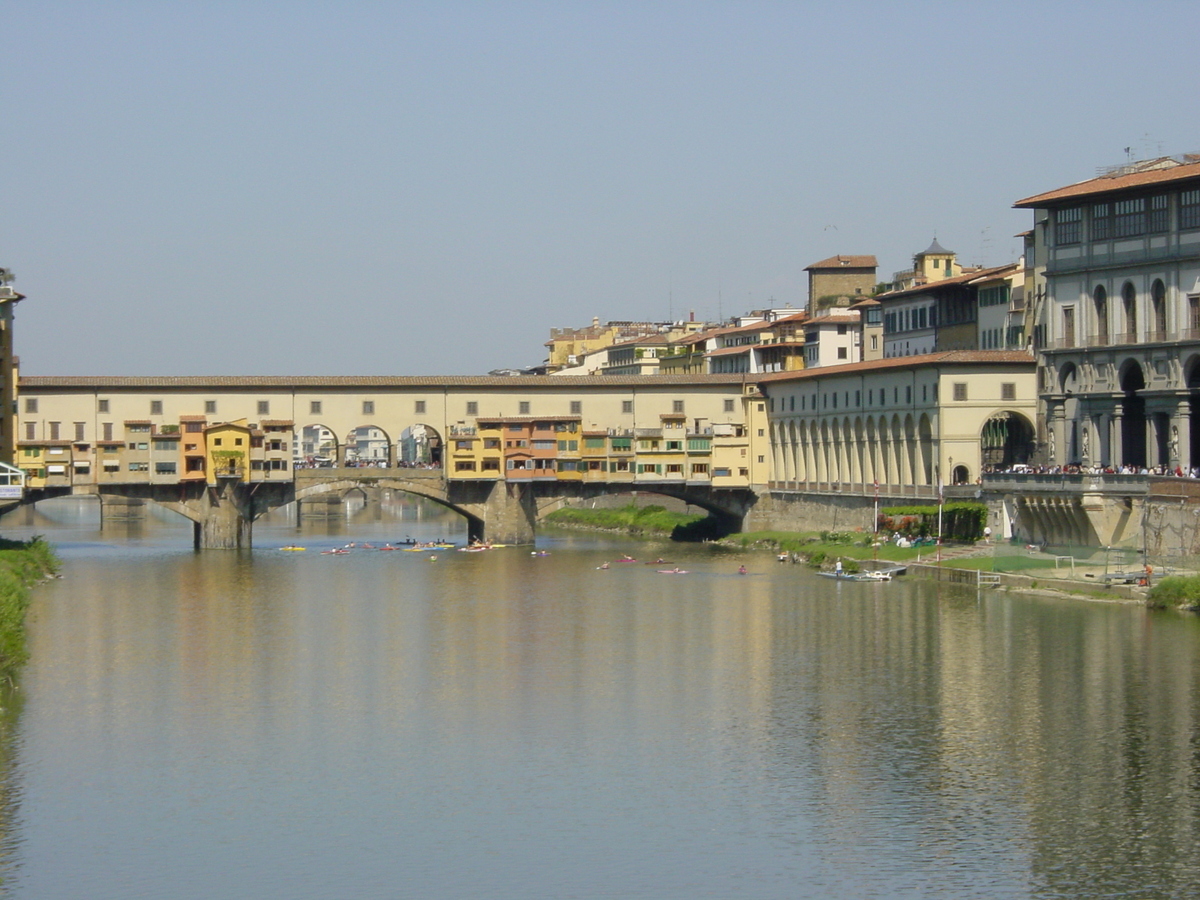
[840,276]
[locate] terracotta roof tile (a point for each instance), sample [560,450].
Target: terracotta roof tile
[302,383]
[844,262]
[946,357]
[1107,184]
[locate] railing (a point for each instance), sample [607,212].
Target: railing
[868,489]
[1103,484]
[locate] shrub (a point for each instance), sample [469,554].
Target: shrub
[1177,590]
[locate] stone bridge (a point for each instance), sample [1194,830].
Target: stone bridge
[503,511]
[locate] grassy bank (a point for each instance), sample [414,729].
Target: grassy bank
[631,519]
[22,564]
[820,545]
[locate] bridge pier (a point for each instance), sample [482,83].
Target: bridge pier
[223,526]
[510,514]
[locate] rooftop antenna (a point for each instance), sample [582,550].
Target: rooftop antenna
[984,244]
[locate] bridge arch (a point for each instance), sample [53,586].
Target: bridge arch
[1007,439]
[433,489]
[421,445]
[368,445]
[319,445]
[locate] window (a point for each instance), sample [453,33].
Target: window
[729,405]
[1189,209]
[464,465]
[139,467]
[1066,226]
[841,353]
[523,408]
[102,406]
[314,407]
[699,468]
[31,404]
[1130,217]
[264,407]
[1101,222]
[1129,301]
[107,428]
[156,407]
[79,431]
[216,442]
[237,442]
[626,406]
[164,468]
[960,390]
[1068,326]
[677,406]
[674,469]
[577,407]
[30,431]
[472,408]
[418,407]
[1008,391]
[54,426]
[210,407]
[1100,301]
[908,393]
[1157,221]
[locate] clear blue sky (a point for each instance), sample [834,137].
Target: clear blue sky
[427,188]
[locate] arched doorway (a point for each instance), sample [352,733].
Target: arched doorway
[368,446]
[318,447]
[1007,439]
[1133,416]
[420,446]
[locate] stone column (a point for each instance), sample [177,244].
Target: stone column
[1181,437]
[1116,451]
[1152,440]
[1062,436]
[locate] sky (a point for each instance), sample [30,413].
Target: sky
[360,188]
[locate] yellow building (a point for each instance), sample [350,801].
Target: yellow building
[227,451]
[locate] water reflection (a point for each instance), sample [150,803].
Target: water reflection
[498,724]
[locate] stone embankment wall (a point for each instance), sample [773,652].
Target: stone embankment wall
[810,512]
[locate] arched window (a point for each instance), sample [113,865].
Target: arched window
[1129,302]
[1100,300]
[1158,302]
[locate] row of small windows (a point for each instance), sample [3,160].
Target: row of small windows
[419,407]
[1008,391]
[1126,218]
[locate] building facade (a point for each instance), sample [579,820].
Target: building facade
[1119,330]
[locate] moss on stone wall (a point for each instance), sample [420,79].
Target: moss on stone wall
[22,564]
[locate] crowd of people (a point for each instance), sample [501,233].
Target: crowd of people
[1077,469]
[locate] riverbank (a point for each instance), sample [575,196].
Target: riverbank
[631,519]
[22,565]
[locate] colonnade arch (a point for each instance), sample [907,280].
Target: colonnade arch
[887,448]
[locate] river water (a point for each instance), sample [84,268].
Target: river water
[502,725]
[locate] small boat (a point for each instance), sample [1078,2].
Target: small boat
[857,576]
[339,551]
[672,571]
[293,549]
